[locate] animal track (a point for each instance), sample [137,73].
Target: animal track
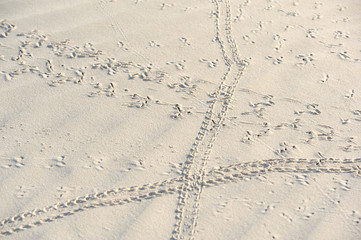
[184,41]
[180,111]
[63,192]
[311,109]
[166,5]
[108,91]
[222,175]
[350,94]
[325,78]
[251,137]
[65,49]
[275,61]
[185,85]
[356,217]
[305,59]
[285,149]
[179,65]
[6,28]
[17,162]
[194,169]
[279,42]
[153,44]
[140,102]
[194,176]
[123,46]
[58,162]
[339,34]
[23,191]
[248,39]
[211,64]
[95,163]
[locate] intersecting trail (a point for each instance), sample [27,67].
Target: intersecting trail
[194,177]
[124,195]
[194,170]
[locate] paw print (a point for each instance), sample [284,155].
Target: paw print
[356,217]
[139,101]
[95,163]
[305,59]
[57,162]
[23,191]
[153,44]
[180,111]
[184,41]
[285,149]
[17,162]
[64,192]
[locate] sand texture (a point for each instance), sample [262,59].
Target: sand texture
[217,119]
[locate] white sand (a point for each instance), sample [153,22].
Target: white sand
[99,96]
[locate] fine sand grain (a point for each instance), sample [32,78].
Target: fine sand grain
[217,119]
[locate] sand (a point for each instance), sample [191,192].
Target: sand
[218,119]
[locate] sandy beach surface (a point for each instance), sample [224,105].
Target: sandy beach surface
[148,119]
